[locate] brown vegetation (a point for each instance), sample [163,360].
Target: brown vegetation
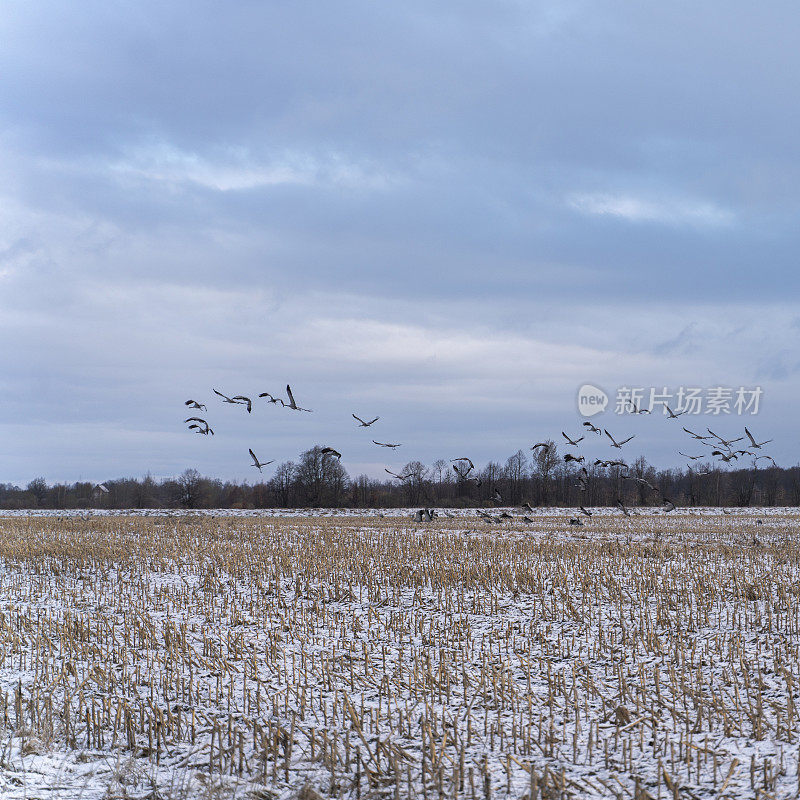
[361,657]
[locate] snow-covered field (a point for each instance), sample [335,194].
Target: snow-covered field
[381,513]
[279,654]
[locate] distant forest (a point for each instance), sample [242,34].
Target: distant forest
[317,479]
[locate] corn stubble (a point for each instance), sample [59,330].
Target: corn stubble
[375,658]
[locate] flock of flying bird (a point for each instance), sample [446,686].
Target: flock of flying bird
[464,468]
[721,448]
[201,426]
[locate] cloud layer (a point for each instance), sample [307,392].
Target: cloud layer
[450,217]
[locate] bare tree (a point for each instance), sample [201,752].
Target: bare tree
[742,486]
[282,483]
[515,472]
[442,479]
[416,490]
[642,470]
[545,461]
[362,491]
[490,475]
[440,470]
[794,485]
[321,479]
[38,488]
[769,485]
[191,482]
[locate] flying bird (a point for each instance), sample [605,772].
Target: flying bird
[696,435]
[226,399]
[463,474]
[245,401]
[199,425]
[585,511]
[291,404]
[195,404]
[668,506]
[756,445]
[614,442]
[577,459]
[592,428]
[640,480]
[691,458]
[769,458]
[621,506]
[329,451]
[385,444]
[575,522]
[672,414]
[272,399]
[574,443]
[723,441]
[601,463]
[395,475]
[462,470]
[637,410]
[497,498]
[256,462]
[546,445]
[365,424]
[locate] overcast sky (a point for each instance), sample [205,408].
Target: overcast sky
[451,215]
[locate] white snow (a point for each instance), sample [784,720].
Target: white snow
[646,638]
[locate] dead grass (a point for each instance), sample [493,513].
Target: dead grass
[377,657]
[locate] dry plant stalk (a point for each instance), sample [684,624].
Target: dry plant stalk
[364,656]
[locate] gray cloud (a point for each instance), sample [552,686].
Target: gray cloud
[454,214]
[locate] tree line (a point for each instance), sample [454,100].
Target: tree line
[318,480]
